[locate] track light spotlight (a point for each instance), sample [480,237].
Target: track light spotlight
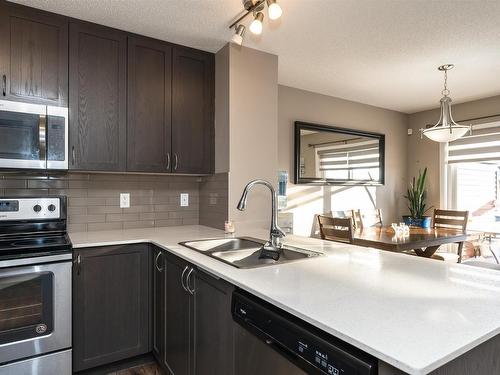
[255,8]
[256,25]
[238,36]
[273,9]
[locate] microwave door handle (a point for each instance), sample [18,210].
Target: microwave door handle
[42,136]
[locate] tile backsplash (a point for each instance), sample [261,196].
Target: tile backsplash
[214,200]
[93,198]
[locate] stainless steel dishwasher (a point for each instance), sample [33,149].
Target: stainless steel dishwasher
[270,341]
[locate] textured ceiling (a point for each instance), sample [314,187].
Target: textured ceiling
[382,52]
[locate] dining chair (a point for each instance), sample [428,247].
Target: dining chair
[370,218]
[335,229]
[355,218]
[451,219]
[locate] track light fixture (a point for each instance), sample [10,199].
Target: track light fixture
[254,7]
[238,36]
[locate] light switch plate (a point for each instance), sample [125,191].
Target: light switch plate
[124,200]
[184,199]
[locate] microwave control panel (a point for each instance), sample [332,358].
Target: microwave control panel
[56,138]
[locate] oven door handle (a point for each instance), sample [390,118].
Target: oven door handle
[42,136]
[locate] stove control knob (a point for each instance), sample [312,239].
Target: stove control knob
[52,208]
[37,208]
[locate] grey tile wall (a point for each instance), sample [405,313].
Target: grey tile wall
[214,200]
[93,199]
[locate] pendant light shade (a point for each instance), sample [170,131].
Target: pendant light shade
[446,129]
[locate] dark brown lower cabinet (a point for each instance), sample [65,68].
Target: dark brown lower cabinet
[212,325]
[111,304]
[193,326]
[177,318]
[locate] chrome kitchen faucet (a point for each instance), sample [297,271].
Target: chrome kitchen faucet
[273,247]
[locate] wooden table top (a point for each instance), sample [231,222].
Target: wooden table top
[384,238]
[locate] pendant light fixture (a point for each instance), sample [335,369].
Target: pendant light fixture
[446,129]
[255,7]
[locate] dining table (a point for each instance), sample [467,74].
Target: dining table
[423,241]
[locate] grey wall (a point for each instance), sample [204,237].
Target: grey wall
[246,127]
[305,201]
[425,153]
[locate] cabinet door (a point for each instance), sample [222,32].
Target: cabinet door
[110,304]
[33,55]
[192,111]
[177,318]
[213,325]
[149,105]
[97,90]
[159,271]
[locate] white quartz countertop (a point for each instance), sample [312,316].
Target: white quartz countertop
[413,313]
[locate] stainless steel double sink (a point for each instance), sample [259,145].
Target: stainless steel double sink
[245,252]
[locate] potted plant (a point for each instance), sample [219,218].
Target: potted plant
[416,195]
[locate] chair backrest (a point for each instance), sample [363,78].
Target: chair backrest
[335,228]
[370,218]
[450,219]
[355,218]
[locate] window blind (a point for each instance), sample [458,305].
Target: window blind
[350,156]
[483,145]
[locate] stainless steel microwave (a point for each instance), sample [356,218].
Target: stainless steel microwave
[33,136]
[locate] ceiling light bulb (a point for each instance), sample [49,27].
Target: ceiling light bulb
[274,10]
[256,25]
[238,36]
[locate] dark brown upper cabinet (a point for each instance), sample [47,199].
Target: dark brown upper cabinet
[33,55]
[149,105]
[192,111]
[98,95]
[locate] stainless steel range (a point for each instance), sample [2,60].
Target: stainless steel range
[35,287]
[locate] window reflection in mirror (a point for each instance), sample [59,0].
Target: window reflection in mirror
[335,155]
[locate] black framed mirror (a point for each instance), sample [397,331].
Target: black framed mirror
[329,155]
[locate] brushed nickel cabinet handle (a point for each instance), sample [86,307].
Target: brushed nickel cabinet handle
[182,279]
[73,155]
[78,264]
[176,162]
[156,262]
[168,160]
[188,281]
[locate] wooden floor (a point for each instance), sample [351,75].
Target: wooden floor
[146,369]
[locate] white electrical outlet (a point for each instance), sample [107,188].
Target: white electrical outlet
[124,200]
[184,199]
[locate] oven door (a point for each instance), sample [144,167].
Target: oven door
[35,309]
[23,135]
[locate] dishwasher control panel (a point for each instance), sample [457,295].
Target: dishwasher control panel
[310,349]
